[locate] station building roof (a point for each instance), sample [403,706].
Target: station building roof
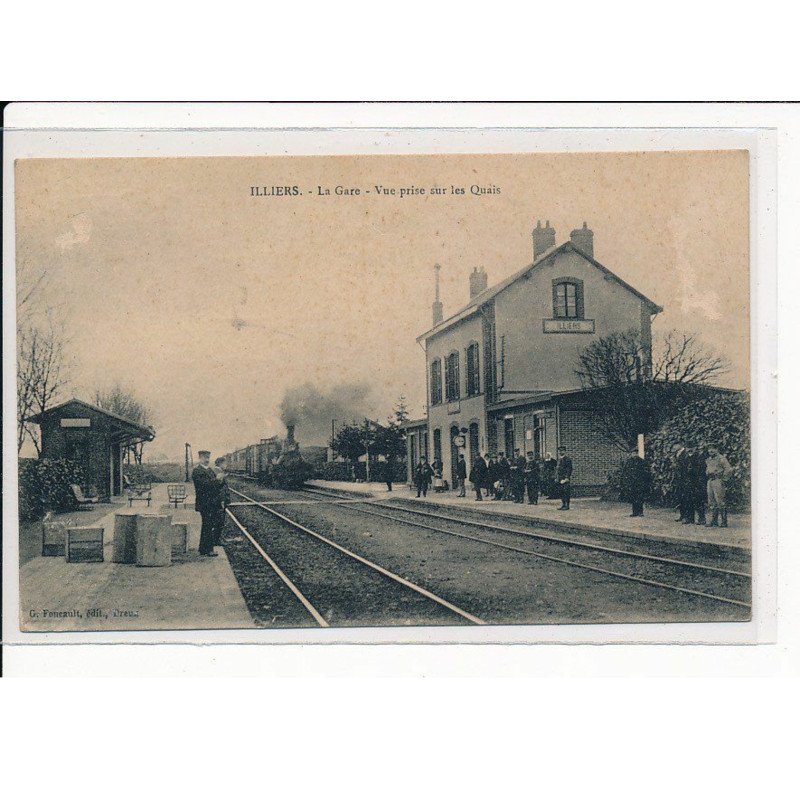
[487,294]
[126,428]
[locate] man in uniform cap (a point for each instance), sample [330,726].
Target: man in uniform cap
[207,501]
[635,482]
[518,476]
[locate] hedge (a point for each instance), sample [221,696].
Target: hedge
[44,485]
[341,471]
[722,420]
[166,472]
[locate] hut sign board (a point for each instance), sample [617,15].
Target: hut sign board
[76,423]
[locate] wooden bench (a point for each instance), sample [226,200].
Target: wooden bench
[177,494]
[140,491]
[84,500]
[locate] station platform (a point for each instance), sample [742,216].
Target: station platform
[192,593]
[588,514]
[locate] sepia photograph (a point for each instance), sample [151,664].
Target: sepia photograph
[370,391]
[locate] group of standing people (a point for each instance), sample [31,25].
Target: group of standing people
[502,478]
[211,498]
[511,479]
[699,485]
[698,481]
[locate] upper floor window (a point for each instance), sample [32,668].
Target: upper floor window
[436,382]
[568,298]
[473,371]
[452,380]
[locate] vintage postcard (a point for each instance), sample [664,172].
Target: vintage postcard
[383,391]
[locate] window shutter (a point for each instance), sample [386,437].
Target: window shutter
[579,299]
[555,299]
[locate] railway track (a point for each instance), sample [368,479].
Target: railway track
[727,586]
[342,572]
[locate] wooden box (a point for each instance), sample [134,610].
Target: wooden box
[54,537]
[153,540]
[124,539]
[84,544]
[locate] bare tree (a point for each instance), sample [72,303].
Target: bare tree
[41,376]
[32,280]
[643,383]
[123,402]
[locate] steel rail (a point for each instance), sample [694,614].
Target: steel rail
[320,620]
[377,567]
[559,539]
[536,554]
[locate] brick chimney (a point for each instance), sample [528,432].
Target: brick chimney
[543,238]
[478,281]
[436,307]
[583,239]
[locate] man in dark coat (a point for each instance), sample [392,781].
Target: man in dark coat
[697,484]
[207,501]
[564,478]
[635,482]
[422,477]
[479,475]
[518,476]
[682,486]
[461,475]
[389,467]
[549,476]
[689,481]
[492,476]
[531,474]
[504,473]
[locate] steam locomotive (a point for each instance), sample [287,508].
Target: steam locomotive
[272,462]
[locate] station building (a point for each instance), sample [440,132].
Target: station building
[95,439]
[500,372]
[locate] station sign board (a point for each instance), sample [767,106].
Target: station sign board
[568,325]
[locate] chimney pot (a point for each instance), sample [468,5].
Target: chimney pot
[543,238]
[583,239]
[478,281]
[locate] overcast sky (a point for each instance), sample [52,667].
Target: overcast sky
[211,303]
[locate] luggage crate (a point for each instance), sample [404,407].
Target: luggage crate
[84,545]
[54,535]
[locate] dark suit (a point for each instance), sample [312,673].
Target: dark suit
[518,478]
[207,501]
[422,478]
[564,473]
[635,483]
[461,474]
[531,473]
[479,476]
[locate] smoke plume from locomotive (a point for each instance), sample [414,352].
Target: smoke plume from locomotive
[311,409]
